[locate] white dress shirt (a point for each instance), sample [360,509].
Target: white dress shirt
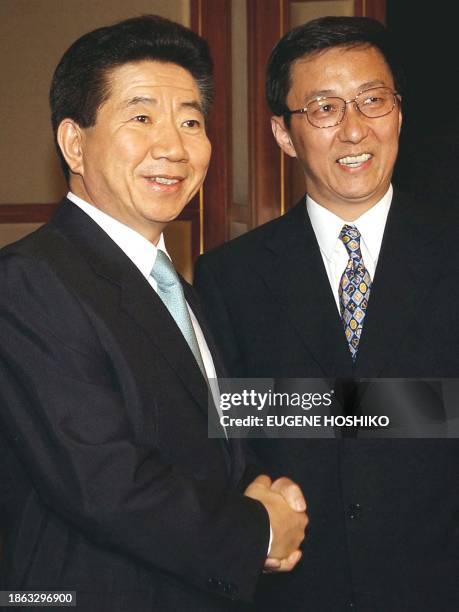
[327,227]
[142,253]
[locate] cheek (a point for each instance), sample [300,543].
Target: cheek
[314,151]
[391,140]
[310,138]
[125,152]
[129,151]
[389,136]
[199,154]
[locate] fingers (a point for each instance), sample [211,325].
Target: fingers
[288,564]
[264,480]
[291,492]
[274,566]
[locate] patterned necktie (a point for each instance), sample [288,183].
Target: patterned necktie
[171,293]
[354,289]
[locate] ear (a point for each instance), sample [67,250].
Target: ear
[69,138]
[282,136]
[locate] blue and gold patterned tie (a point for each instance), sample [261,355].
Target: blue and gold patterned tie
[171,293]
[354,289]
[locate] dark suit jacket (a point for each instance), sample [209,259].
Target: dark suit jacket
[384,514]
[109,483]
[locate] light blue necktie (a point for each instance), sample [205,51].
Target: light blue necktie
[354,289]
[171,293]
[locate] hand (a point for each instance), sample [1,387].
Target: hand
[287,524]
[291,492]
[273,566]
[293,495]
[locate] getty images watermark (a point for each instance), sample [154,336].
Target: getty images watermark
[318,408]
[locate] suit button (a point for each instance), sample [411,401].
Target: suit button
[355,512]
[212,584]
[351,605]
[230,589]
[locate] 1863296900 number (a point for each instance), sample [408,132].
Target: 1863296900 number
[38,598]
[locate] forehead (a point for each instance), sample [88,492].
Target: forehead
[340,68]
[150,76]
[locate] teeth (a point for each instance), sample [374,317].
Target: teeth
[355,160]
[164,181]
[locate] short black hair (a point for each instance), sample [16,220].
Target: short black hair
[316,36]
[80,84]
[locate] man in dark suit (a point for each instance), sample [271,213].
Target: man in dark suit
[355,281]
[110,485]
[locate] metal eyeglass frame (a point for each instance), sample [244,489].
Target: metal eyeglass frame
[304,110]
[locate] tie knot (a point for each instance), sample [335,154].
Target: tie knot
[350,237]
[163,271]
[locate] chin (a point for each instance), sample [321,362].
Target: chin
[165,218]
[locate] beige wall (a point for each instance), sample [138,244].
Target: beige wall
[10,232]
[301,12]
[33,36]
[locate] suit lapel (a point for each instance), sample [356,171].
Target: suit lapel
[164,334]
[193,301]
[293,269]
[137,298]
[405,273]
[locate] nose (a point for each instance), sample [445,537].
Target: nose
[168,143]
[353,127]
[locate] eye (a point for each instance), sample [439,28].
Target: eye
[193,124]
[372,100]
[141,118]
[377,98]
[324,107]
[328,108]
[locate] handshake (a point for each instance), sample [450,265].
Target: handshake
[286,507]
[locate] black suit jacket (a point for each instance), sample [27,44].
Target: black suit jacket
[110,485]
[384,514]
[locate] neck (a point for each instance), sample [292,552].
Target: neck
[347,212]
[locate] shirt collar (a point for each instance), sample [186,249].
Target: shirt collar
[327,226]
[140,251]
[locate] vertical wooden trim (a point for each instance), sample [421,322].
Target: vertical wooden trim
[212,20]
[201,220]
[283,7]
[288,162]
[196,16]
[263,16]
[196,25]
[371,8]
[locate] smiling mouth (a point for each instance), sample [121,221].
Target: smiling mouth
[354,161]
[165,180]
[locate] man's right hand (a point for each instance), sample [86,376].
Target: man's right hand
[287,524]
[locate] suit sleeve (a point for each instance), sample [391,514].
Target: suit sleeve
[69,425]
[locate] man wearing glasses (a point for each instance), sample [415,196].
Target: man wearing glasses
[356,281]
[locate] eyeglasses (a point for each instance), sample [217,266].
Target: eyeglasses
[324,112]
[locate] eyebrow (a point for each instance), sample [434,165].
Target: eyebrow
[193,104]
[153,102]
[138,100]
[330,92]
